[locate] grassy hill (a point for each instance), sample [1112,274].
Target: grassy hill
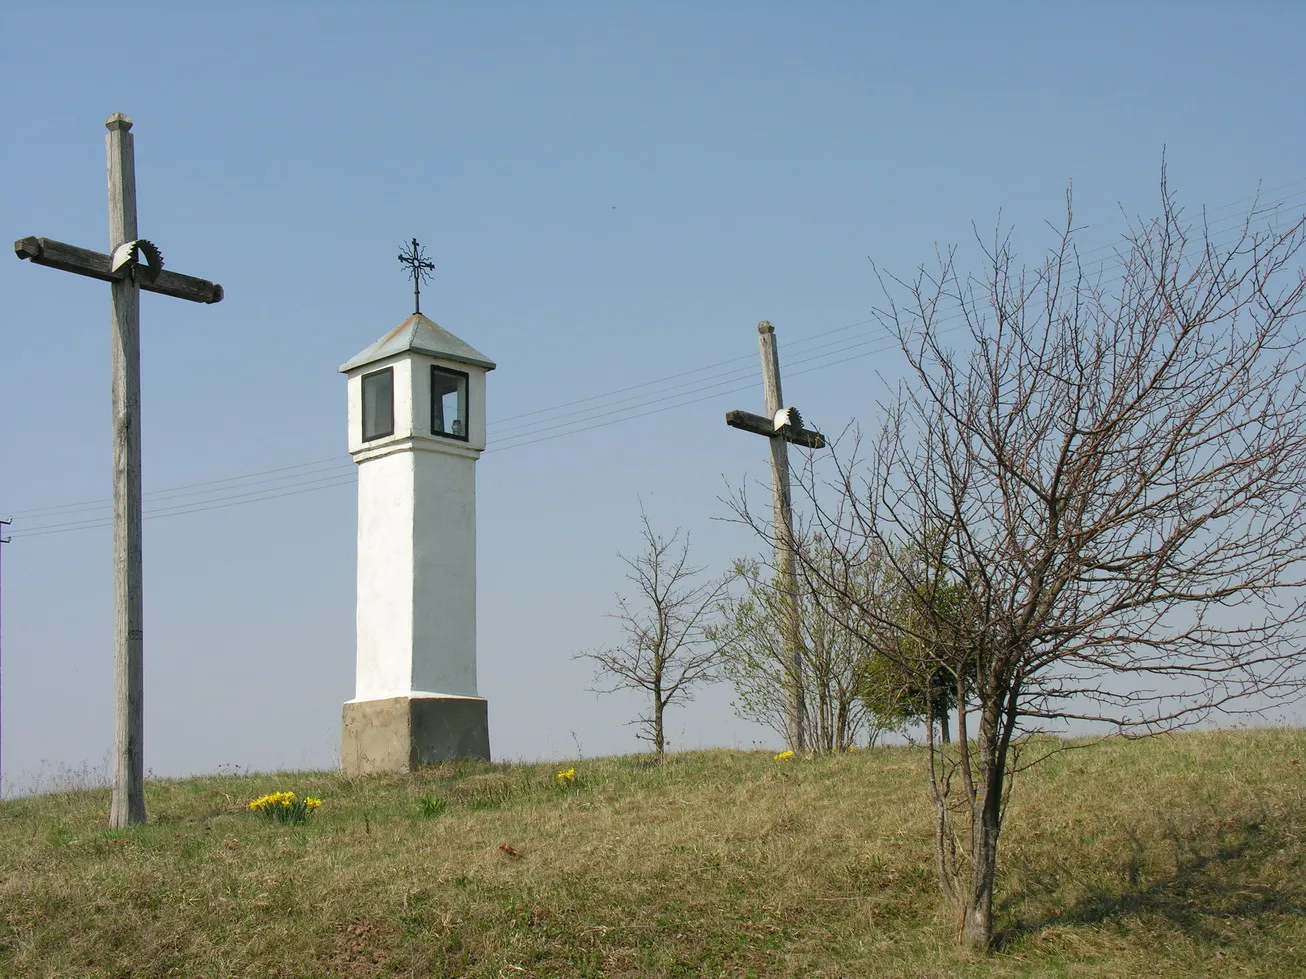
[1180,856]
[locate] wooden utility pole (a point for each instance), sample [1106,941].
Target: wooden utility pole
[3,541]
[132,265]
[782,426]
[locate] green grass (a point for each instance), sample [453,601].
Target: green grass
[1179,856]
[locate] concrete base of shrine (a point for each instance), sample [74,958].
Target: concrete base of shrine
[399,734]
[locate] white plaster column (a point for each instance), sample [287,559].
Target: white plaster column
[415,696]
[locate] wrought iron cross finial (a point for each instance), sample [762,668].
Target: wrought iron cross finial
[419,268]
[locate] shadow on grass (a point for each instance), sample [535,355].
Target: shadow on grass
[1229,882]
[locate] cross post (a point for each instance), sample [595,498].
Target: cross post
[783,426]
[127,274]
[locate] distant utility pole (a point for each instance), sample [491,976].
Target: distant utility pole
[3,540]
[782,425]
[134,264]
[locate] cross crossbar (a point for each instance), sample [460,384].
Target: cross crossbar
[97,265]
[750,422]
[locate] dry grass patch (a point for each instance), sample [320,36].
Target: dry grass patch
[1180,856]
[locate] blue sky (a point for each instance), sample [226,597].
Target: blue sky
[613,194]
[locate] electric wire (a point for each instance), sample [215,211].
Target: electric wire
[551,415]
[326,474]
[722,384]
[337,478]
[609,401]
[193,489]
[331,481]
[584,424]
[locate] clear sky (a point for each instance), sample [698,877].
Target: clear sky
[614,194]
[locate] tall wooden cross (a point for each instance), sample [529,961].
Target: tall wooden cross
[133,264]
[782,425]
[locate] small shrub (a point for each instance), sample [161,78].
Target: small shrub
[432,806]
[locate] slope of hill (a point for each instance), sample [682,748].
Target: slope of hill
[1178,856]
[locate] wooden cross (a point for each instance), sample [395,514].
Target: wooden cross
[782,426]
[128,275]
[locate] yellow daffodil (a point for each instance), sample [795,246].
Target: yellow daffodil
[284,807]
[783,756]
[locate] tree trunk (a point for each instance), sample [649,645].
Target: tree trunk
[977,928]
[659,741]
[994,735]
[825,732]
[944,732]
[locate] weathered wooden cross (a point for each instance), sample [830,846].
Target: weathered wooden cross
[781,426]
[132,265]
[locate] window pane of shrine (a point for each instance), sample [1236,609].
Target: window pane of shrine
[378,404]
[448,403]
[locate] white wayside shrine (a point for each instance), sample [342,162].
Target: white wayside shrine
[416,429]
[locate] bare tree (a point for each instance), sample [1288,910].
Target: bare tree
[755,640]
[666,652]
[1110,475]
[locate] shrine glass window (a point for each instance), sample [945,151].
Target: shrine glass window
[378,404]
[449,403]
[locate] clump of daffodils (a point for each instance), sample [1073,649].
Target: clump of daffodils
[284,807]
[564,777]
[783,756]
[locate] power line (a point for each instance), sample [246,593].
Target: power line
[672,377]
[716,388]
[605,410]
[722,384]
[199,507]
[341,474]
[747,369]
[319,468]
[333,480]
[546,420]
[627,395]
[187,490]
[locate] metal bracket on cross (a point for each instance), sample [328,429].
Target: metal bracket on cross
[787,423]
[129,253]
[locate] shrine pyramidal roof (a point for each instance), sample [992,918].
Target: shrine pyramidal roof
[417,334]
